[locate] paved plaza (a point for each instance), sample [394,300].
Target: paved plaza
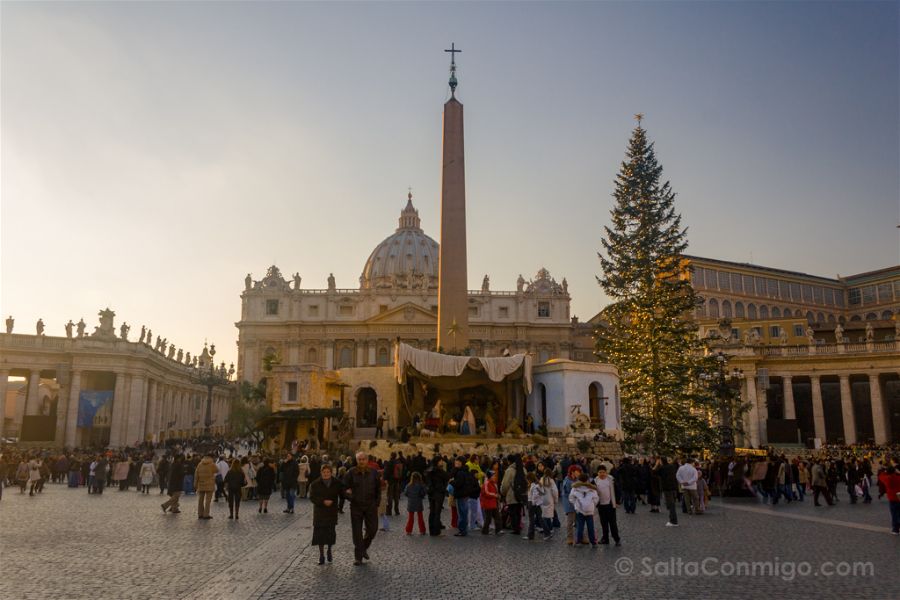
[68,544]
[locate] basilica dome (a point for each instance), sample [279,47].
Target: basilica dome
[406,259]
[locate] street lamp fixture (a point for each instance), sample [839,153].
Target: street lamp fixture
[206,373]
[722,383]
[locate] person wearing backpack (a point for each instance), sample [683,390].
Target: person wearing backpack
[514,491]
[463,483]
[393,475]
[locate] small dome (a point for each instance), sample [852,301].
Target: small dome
[404,258]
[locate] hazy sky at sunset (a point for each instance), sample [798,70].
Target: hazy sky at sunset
[154,153]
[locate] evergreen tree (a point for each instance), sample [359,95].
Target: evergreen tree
[648,331]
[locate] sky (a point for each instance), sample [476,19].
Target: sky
[152,154]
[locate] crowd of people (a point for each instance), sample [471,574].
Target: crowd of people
[524,495]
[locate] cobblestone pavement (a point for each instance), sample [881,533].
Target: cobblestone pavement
[66,544]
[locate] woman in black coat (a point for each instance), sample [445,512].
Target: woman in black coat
[265,484]
[324,494]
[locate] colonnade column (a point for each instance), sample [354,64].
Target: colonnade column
[4,379]
[847,411]
[818,410]
[790,411]
[152,409]
[136,410]
[880,414]
[753,414]
[119,412]
[34,390]
[72,409]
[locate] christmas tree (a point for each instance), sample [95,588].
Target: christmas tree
[648,331]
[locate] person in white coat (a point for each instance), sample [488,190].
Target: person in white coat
[147,474]
[584,500]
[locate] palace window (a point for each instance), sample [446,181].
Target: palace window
[798,331]
[868,294]
[735,333]
[784,290]
[829,296]
[473,311]
[795,292]
[736,283]
[774,331]
[772,288]
[855,296]
[345,358]
[763,312]
[818,295]
[383,357]
[724,280]
[543,309]
[346,310]
[748,284]
[271,307]
[291,392]
[760,286]
[884,292]
[313,310]
[807,293]
[504,312]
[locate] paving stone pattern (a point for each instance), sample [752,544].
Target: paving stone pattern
[66,544]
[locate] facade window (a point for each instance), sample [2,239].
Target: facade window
[724,280]
[313,310]
[818,295]
[884,292]
[839,298]
[798,331]
[760,286]
[504,312]
[776,312]
[292,392]
[312,356]
[763,312]
[271,307]
[345,358]
[784,290]
[473,311]
[772,288]
[739,310]
[748,284]
[751,311]
[735,333]
[713,306]
[855,296]
[346,310]
[774,331]
[543,309]
[795,292]
[736,283]
[383,357]
[897,289]
[829,296]
[807,293]
[868,294]
[726,309]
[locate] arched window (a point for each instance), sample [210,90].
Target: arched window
[345,358]
[776,312]
[751,311]
[798,313]
[383,357]
[820,318]
[887,315]
[871,317]
[856,318]
[312,356]
[763,312]
[739,310]
[831,318]
[713,308]
[810,318]
[726,309]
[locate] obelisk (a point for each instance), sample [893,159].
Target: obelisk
[453,312]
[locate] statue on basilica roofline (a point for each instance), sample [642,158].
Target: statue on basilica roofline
[80,328]
[10,322]
[486,284]
[171,354]
[410,280]
[331,284]
[143,333]
[180,356]
[187,359]
[297,279]
[69,327]
[248,282]
[40,327]
[520,283]
[565,286]
[123,331]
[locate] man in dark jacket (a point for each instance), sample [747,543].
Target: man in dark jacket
[175,486]
[393,475]
[290,470]
[436,480]
[362,486]
[669,487]
[464,486]
[627,476]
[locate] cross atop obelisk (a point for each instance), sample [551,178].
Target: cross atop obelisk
[453,296]
[453,82]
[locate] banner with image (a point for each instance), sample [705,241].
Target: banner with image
[95,408]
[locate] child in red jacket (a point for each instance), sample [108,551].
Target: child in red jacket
[490,492]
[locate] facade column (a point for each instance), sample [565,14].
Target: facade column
[880,412]
[152,409]
[818,411]
[372,348]
[34,389]
[753,414]
[71,429]
[360,353]
[847,411]
[119,412]
[790,412]
[4,381]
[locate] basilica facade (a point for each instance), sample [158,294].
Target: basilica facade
[397,297]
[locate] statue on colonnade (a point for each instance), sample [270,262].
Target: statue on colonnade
[69,326]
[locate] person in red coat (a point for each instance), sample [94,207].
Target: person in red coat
[890,479]
[490,493]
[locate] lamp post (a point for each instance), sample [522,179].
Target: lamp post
[206,373]
[722,382]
